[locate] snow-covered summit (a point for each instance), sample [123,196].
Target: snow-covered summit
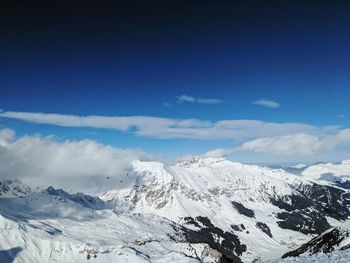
[330,172]
[199,162]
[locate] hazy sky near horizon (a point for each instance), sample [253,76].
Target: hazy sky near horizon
[258,81]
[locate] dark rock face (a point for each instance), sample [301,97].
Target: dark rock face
[239,228]
[335,202]
[298,222]
[343,184]
[324,243]
[230,246]
[264,228]
[306,211]
[243,210]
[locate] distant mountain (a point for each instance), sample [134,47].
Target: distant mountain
[13,188]
[337,174]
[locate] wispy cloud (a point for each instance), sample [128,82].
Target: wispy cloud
[267,103]
[190,99]
[185,98]
[208,101]
[167,104]
[253,135]
[166,128]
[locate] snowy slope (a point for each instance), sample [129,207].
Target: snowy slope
[333,257]
[54,226]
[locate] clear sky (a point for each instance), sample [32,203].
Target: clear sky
[257,81]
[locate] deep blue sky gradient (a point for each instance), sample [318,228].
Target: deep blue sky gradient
[128,57]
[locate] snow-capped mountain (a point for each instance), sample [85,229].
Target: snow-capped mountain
[333,173]
[201,210]
[270,210]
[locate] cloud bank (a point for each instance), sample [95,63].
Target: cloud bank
[83,164]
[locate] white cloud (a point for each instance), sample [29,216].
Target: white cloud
[190,99]
[170,128]
[289,145]
[220,152]
[75,165]
[267,103]
[185,98]
[295,144]
[6,136]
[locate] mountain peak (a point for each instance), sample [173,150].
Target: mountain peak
[198,161]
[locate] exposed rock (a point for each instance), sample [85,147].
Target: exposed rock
[264,228]
[243,210]
[239,228]
[225,242]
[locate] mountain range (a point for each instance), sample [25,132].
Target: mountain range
[200,210]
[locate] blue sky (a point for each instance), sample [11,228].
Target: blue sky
[230,60]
